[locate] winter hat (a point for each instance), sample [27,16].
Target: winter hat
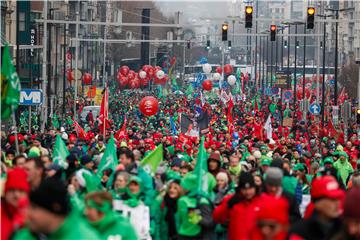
[51,195]
[223,176]
[85,159]
[214,156]
[189,182]
[328,160]
[257,154]
[265,162]
[351,209]
[34,152]
[274,176]
[275,209]
[16,179]
[246,180]
[326,187]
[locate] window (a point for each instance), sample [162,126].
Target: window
[21,21]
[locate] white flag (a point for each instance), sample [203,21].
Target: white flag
[268,128]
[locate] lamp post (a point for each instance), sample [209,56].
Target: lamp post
[304,63]
[336,47]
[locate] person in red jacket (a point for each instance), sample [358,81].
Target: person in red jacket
[239,209]
[272,221]
[14,203]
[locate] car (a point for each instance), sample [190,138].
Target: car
[95,111]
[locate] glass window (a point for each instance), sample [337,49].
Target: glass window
[21,21]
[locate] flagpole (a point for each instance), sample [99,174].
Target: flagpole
[16,133]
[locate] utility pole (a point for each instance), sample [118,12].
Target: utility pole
[76,60]
[304,63]
[44,68]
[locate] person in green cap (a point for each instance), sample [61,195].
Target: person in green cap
[133,195]
[104,220]
[343,166]
[49,215]
[265,164]
[303,179]
[194,212]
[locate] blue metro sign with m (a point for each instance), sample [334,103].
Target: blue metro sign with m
[31,97]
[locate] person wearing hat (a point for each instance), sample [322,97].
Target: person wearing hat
[239,209]
[87,163]
[324,221]
[193,211]
[303,178]
[343,166]
[100,215]
[214,164]
[164,209]
[133,195]
[272,220]
[273,187]
[14,202]
[350,228]
[50,215]
[265,164]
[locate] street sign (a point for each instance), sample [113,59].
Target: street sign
[268,91]
[31,97]
[288,95]
[332,82]
[315,109]
[274,91]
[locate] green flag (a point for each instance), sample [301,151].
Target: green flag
[152,161]
[92,182]
[10,85]
[189,90]
[60,152]
[201,170]
[109,159]
[55,121]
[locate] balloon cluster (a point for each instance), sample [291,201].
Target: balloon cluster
[133,80]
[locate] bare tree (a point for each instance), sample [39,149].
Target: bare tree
[349,78]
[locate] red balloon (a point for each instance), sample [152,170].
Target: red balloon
[219,70]
[87,78]
[228,69]
[151,71]
[207,85]
[134,83]
[131,75]
[69,75]
[124,70]
[157,68]
[149,106]
[123,81]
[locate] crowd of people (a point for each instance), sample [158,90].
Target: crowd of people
[299,182]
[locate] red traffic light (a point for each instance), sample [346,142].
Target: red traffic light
[273,27]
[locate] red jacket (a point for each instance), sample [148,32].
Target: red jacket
[241,217]
[12,218]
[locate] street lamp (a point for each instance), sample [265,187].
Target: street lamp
[336,47]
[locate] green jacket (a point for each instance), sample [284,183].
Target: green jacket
[158,213]
[74,227]
[186,206]
[114,226]
[344,169]
[289,184]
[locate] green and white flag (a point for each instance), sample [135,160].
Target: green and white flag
[10,85]
[60,152]
[109,159]
[151,162]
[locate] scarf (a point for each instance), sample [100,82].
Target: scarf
[171,205]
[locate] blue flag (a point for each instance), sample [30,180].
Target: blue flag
[173,127]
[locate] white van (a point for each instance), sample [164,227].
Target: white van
[95,111]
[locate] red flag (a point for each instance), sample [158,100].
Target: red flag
[121,133]
[104,112]
[229,115]
[342,96]
[80,132]
[333,132]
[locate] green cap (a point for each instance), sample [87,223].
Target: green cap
[265,162]
[123,144]
[34,152]
[299,167]
[189,182]
[264,147]
[328,160]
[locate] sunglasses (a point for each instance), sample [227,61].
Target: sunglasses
[271,225]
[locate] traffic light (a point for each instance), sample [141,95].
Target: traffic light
[248,16]
[188,44]
[310,17]
[225,28]
[229,45]
[358,116]
[208,44]
[297,44]
[285,44]
[272,32]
